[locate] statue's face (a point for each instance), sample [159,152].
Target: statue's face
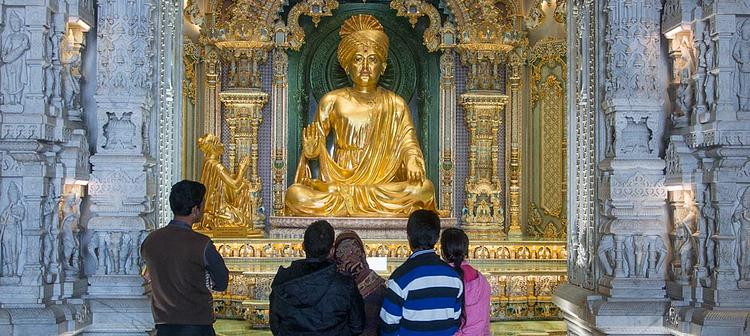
[366,67]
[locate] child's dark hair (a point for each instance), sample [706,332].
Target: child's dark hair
[454,247]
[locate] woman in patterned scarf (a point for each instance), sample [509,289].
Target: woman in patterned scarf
[350,258]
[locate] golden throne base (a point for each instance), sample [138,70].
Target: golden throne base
[522,273]
[288,227]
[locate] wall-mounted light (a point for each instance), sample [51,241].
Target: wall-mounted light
[677,187]
[676,30]
[74,20]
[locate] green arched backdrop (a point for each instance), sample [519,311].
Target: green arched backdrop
[412,72]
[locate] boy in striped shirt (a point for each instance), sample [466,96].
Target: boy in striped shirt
[424,295]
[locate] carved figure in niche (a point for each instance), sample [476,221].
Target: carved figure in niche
[684,94]
[709,91]
[741,217]
[52,72]
[636,136]
[741,54]
[605,250]
[708,216]
[113,242]
[98,248]
[51,220]
[684,245]
[13,73]
[11,220]
[657,255]
[376,151]
[69,234]
[127,255]
[71,79]
[119,132]
[700,94]
[687,57]
[630,256]
[228,195]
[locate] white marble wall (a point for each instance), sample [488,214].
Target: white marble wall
[668,252]
[78,116]
[660,206]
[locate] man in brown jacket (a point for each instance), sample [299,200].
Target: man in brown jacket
[179,262]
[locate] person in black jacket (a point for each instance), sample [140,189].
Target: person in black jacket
[310,297]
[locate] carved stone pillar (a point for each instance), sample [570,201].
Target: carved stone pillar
[279,129]
[484,105]
[514,125]
[211,105]
[484,215]
[243,116]
[119,197]
[632,185]
[447,129]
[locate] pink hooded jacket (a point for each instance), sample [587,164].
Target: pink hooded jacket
[477,303]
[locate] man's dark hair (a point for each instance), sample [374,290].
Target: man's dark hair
[318,239]
[423,229]
[185,195]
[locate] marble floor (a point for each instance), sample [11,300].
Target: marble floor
[520,328]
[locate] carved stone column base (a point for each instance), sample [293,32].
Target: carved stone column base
[588,313]
[20,297]
[118,306]
[679,291]
[726,298]
[117,316]
[700,321]
[67,289]
[632,288]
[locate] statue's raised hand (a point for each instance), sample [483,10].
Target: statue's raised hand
[415,170]
[311,137]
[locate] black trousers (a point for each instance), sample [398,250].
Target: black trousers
[184,330]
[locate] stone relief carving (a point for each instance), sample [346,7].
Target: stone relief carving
[51,221]
[124,49]
[117,252]
[741,223]
[707,227]
[69,241]
[52,84]
[11,220]
[636,136]
[641,256]
[96,250]
[709,79]
[119,131]
[71,79]
[741,54]
[632,49]
[605,252]
[684,243]
[13,72]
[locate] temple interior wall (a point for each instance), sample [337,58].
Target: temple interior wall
[656,213]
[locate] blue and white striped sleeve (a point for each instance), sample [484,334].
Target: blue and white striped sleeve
[391,312]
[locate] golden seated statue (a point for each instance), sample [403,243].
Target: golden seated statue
[377,168]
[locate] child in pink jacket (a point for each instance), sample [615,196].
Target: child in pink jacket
[475,313]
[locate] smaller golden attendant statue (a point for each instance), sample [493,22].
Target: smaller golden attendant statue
[229,204]
[376,168]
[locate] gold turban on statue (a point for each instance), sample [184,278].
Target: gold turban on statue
[361,30]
